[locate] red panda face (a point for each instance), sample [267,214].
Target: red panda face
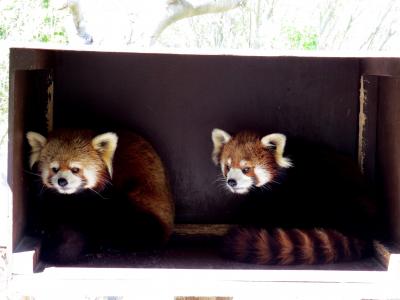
[241,174]
[69,177]
[71,161]
[248,161]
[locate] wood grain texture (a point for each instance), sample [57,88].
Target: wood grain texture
[368,126]
[201,229]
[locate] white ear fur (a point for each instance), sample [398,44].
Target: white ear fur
[219,138]
[278,141]
[105,144]
[37,142]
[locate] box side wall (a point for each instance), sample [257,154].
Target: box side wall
[18,92]
[388,150]
[29,71]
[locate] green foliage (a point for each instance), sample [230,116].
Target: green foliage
[47,20]
[3,95]
[3,32]
[305,39]
[26,21]
[45,3]
[51,31]
[44,38]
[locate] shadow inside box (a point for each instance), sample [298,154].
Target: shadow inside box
[199,253]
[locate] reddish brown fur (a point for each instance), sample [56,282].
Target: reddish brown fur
[292,246]
[305,247]
[247,146]
[286,253]
[136,161]
[327,246]
[137,170]
[263,250]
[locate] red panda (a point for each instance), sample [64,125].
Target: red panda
[71,162]
[291,202]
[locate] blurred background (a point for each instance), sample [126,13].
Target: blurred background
[272,26]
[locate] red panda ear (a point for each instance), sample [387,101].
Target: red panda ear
[37,142]
[278,142]
[219,138]
[105,144]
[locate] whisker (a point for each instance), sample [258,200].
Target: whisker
[107,181]
[267,187]
[223,187]
[31,173]
[98,194]
[219,181]
[42,190]
[37,180]
[274,181]
[226,188]
[220,176]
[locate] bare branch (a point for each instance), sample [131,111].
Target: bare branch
[75,8]
[271,9]
[387,38]
[373,35]
[179,9]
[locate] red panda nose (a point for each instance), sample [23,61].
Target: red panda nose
[62,182]
[232,182]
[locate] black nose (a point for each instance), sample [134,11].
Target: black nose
[232,182]
[62,182]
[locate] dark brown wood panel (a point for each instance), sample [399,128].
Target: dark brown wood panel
[19,82]
[28,101]
[381,66]
[176,100]
[368,126]
[30,59]
[388,150]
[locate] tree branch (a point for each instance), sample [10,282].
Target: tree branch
[173,10]
[387,38]
[179,9]
[373,35]
[75,8]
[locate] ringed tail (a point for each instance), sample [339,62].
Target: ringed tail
[291,246]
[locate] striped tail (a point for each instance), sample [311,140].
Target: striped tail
[291,246]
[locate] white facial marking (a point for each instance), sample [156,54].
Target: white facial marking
[243,182]
[91,178]
[45,175]
[72,185]
[243,163]
[222,166]
[54,164]
[229,162]
[262,175]
[75,165]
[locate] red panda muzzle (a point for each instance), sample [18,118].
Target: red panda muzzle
[291,246]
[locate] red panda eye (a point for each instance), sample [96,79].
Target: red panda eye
[55,170]
[228,167]
[75,170]
[246,170]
